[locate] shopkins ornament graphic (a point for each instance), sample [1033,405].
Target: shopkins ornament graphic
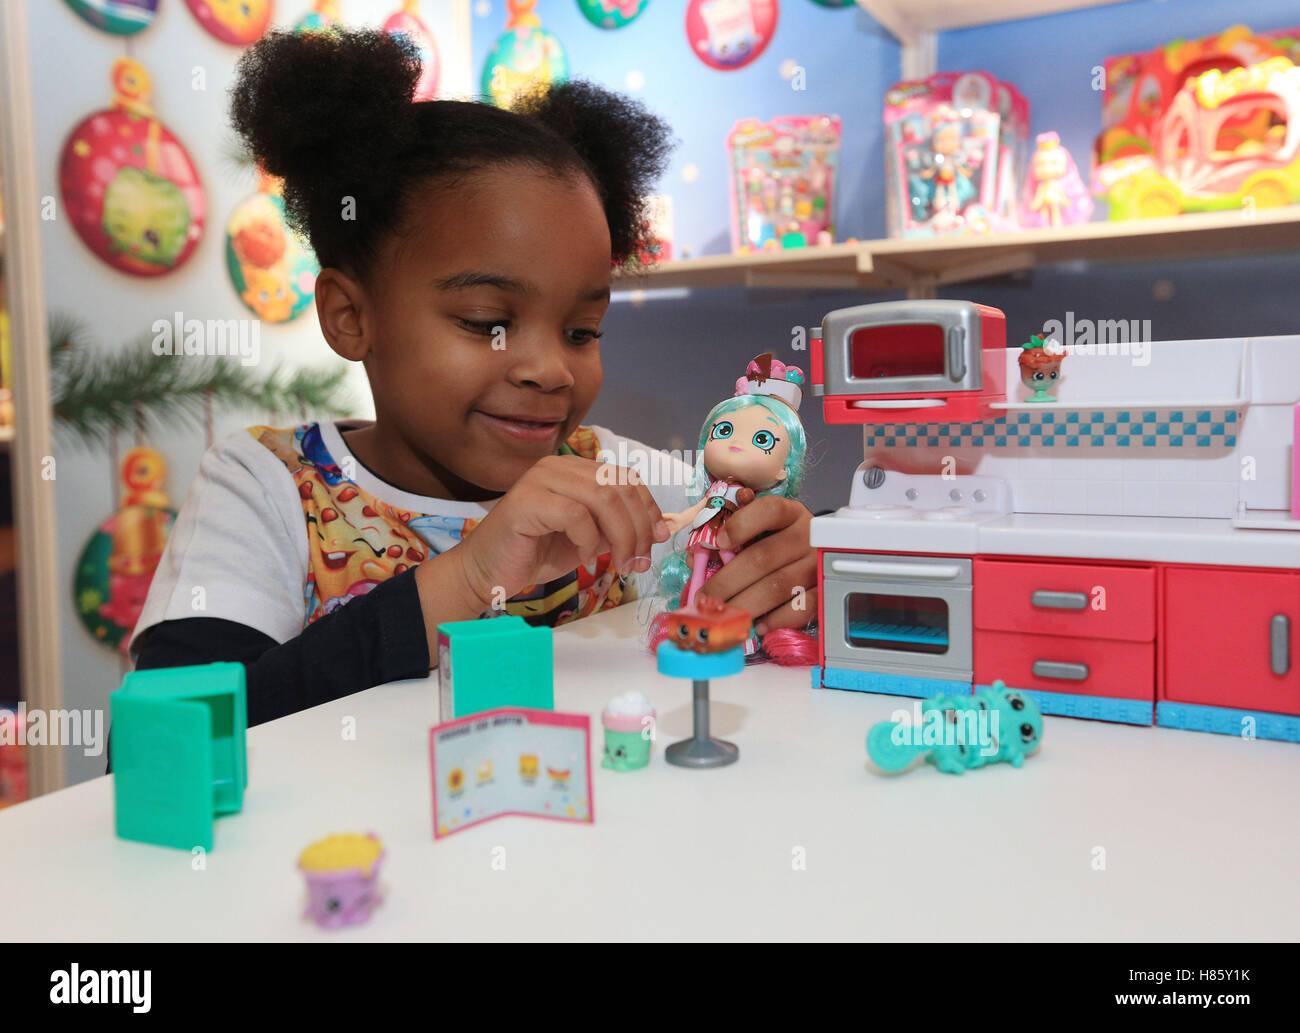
[729,34]
[115,568]
[407,22]
[116,17]
[323,17]
[524,57]
[273,270]
[611,14]
[237,22]
[128,184]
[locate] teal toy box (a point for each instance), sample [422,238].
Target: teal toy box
[179,753]
[493,662]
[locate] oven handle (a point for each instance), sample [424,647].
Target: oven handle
[1046,599]
[898,571]
[898,403]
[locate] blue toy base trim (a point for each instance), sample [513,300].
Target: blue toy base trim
[1192,717]
[889,684]
[682,663]
[1090,708]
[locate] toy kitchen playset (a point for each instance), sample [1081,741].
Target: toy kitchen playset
[1113,528]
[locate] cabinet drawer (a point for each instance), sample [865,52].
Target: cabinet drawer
[1063,663]
[1066,599]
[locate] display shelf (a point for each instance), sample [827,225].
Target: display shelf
[933,262]
[1062,405]
[908,18]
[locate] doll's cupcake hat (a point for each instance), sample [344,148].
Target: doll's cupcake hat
[768,375]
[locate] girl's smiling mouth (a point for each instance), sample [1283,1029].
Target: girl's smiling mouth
[523,427]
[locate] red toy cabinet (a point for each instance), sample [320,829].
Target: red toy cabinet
[910,361]
[1080,636]
[1229,638]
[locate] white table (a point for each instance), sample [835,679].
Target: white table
[800,839]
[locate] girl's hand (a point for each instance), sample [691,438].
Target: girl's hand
[774,578]
[559,515]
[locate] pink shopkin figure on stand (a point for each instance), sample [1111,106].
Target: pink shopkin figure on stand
[1055,192]
[752,444]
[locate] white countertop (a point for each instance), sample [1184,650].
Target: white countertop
[1187,822]
[1153,539]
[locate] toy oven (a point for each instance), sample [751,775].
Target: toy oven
[901,615]
[910,361]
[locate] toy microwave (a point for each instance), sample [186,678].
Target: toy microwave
[910,361]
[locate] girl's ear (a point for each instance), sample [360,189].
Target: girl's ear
[341,308]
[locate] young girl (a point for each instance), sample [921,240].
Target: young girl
[466,255]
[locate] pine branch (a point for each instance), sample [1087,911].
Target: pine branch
[99,394]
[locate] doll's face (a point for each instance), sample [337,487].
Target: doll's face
[749,444]
[946,140]
[1042,376]
[1049,164]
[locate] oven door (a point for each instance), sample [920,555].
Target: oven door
[908,349]
[898,614]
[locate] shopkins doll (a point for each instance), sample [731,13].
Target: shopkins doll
[342,873]
[961,732]
[1040,367]
[629,731]
[1055,192]
[752,444]
[949,175]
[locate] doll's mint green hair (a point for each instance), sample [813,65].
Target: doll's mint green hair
[675,570]
[789,420]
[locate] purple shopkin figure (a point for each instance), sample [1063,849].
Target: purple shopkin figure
[342,873]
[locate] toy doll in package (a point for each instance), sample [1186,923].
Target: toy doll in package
[783,182]
[946,149]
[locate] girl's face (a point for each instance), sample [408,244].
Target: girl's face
[484,316]
[749,444]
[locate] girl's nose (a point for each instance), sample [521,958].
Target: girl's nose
[539,365]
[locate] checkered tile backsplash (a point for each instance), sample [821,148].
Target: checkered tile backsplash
[1075,429]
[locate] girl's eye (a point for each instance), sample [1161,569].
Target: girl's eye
[765,440]
[583,336]
[722,429]
[488,328]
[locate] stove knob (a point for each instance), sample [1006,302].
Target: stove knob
[955,495]
[980,495]
[873,476]
[912,494]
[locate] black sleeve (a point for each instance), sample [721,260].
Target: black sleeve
[376,638]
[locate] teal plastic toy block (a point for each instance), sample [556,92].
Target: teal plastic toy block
[493,662]
[179,753]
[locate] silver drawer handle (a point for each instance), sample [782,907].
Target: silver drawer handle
[910,571]
[1279,643]
[956,353]
[1048,600]
[1059,669]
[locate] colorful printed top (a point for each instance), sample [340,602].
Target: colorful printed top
[289,551]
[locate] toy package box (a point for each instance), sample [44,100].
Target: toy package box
[1207,124]
[783,181]
[956,146]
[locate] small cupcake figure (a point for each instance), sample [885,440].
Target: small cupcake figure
[342,873]
[629,726]
[1040,366]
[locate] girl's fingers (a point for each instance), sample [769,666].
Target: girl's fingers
[772,590]
[557,513]
[759,559]
[797,613]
